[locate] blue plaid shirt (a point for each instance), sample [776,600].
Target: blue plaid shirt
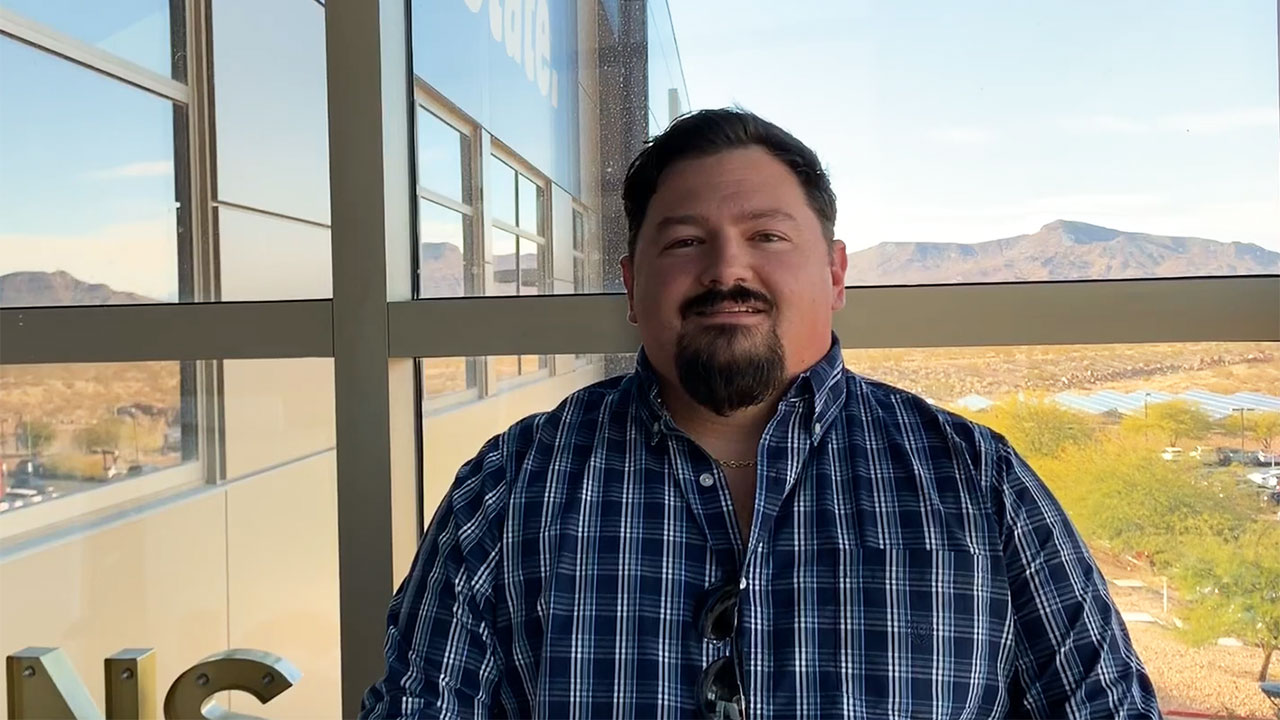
[903,562]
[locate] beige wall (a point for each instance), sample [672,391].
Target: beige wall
[251,563]
[451,438]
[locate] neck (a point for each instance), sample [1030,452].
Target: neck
[732,437]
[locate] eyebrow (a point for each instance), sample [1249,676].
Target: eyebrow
[749,216]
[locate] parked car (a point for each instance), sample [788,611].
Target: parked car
[1265,478]
[1266,458]
[1234,455]
[16,497]
[26,472]
[1171,453]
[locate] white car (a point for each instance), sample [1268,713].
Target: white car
[1172,453]
[1265,478]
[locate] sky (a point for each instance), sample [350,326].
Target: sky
[939,120]
[964,121]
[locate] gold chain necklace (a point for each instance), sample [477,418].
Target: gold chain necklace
[736,464]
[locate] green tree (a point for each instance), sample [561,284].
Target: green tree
[35,435]
[1175,420]
[102,435]
[1132,501]
[1233,589]
[1263,427]
[1038,427]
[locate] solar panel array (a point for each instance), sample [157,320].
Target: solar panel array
[1216,405]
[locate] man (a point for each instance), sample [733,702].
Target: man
[741,527]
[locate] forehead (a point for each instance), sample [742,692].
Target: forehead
[742,179]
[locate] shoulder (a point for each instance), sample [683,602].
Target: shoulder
[894,411]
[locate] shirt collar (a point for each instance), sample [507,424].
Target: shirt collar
[822,387]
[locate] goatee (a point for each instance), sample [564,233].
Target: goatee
[728,367]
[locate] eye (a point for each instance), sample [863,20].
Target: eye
[769,237]
[681,243]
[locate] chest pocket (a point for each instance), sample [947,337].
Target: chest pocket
[920,632]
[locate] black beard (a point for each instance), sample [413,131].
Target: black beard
[727,368]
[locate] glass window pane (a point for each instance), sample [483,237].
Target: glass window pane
[1142,447]
[140,31]
[276,411]
[271,101]
[445,376]
[500,191]
[532,266]
[505,264]
[267,258]
[443,251]
[954,160]
[442,152]
[530,206]
[89,206]
[74,427]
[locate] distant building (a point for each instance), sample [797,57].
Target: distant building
[974,403]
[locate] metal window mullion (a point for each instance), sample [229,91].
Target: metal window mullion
[444,201]
[46,38]
[486,372]
[210,410]
[283,217]
[370,100]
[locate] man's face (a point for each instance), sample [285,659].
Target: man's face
[733,283]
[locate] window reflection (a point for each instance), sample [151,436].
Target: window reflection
[263,257]
[443,251]
[505,264]
[500,191]
[530,210]
[150,33]
[88,200]
[441,156]
[271,101]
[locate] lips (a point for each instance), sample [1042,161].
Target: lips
[737,301]
[730,310]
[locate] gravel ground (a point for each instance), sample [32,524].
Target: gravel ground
[1208,679]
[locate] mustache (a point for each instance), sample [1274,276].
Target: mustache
[735,295]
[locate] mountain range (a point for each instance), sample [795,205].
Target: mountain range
[1061,250]
[60,288]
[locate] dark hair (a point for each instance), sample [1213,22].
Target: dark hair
[708,132]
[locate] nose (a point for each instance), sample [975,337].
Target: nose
[727,262]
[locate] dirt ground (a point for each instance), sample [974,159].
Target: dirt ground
[1209,679]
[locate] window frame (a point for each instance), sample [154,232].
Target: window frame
[425,99]
[199,411]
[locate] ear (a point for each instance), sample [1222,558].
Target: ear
[629,282]
[839,266]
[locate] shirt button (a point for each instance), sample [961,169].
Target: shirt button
[707,480]
[817,428]
[742,584]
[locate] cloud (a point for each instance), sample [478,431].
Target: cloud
[1222,120]
[1050,207]
[961,135]
[154,168]
[1203,123]
[140,256]
[1103,124]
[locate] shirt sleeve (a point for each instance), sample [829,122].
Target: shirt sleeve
[442,657]
[1073,656]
